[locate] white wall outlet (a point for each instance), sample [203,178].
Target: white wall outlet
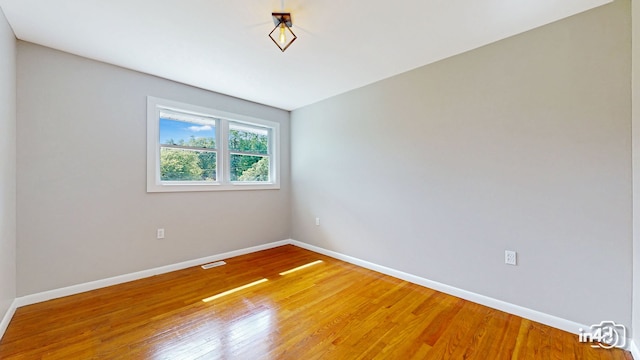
[510,257]
[160,234]
[317,221]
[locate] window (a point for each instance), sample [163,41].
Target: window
[187,147]
[191,148]
[248,152]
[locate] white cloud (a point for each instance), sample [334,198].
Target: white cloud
[200,128]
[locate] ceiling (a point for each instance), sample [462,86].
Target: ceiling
[222,45]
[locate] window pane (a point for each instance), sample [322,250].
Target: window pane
[249,168]
[248,139]
[187,165]
[194,133]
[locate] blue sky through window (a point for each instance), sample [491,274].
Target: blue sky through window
[182,130]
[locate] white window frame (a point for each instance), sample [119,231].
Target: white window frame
[223,158]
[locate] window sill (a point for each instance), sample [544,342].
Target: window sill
[151,188]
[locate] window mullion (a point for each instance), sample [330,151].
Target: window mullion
[187,147]
[224,151]
[272,163]
[158,145]
[235,152]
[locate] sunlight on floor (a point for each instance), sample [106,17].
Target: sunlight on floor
[259,281]
[300,267]
[234,290]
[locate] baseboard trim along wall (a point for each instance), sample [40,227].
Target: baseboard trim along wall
[633,348]
[550,320]
[80,288]
[6,319]
[553,321]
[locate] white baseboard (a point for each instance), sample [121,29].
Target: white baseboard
[633,348]
[6,319]
[76,289]
[553,321]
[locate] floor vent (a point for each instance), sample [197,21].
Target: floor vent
[213,264]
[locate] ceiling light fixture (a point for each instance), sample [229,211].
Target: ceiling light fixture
[282,35]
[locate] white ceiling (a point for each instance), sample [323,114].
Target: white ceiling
[222,45]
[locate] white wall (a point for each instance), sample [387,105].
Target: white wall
[7,166]
[83,210]
[524,144]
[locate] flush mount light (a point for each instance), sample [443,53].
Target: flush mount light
[281,34]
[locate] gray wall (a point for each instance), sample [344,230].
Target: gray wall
[524,144]
[83,211]
[636,166]
[7,166]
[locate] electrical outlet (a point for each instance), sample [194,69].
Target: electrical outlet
[317,221]
[510,257]
[160,234]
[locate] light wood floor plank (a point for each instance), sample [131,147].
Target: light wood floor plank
[329,310]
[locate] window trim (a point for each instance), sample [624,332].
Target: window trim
[154,184]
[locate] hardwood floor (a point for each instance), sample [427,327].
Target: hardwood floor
[327,310]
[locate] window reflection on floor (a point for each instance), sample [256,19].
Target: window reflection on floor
[224,339]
